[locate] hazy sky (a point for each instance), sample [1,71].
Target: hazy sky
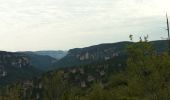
[65,24]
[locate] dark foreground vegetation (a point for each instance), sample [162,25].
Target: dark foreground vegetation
[145,75]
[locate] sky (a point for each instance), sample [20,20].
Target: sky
[31,25]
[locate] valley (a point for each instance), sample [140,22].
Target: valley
[38,75]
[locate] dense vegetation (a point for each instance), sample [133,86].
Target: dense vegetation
[145,76]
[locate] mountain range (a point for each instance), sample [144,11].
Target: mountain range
[101,52]
[16,66]
[52,53]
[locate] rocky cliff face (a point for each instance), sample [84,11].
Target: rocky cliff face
[8,59]
[103,55]
[41,62]
[15,67]
[102,52]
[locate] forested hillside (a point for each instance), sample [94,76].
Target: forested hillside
[15,67]
[41,62]
[102,52]
[144,75]
[96,53]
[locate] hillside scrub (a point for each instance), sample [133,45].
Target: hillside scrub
[146,77]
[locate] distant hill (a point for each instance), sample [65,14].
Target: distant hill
[87,55]
[160,45]
[25,65]
[102,52]
[15,67]
[55,54]
[42,62]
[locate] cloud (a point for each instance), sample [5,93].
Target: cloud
[25,24]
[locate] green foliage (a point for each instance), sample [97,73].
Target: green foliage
[98,93]
[148,73]
[11,93]
[54,87]
[146,77]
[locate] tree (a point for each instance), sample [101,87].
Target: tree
[147,73]
[54,86]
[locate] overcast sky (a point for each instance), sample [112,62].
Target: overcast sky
[64,24]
